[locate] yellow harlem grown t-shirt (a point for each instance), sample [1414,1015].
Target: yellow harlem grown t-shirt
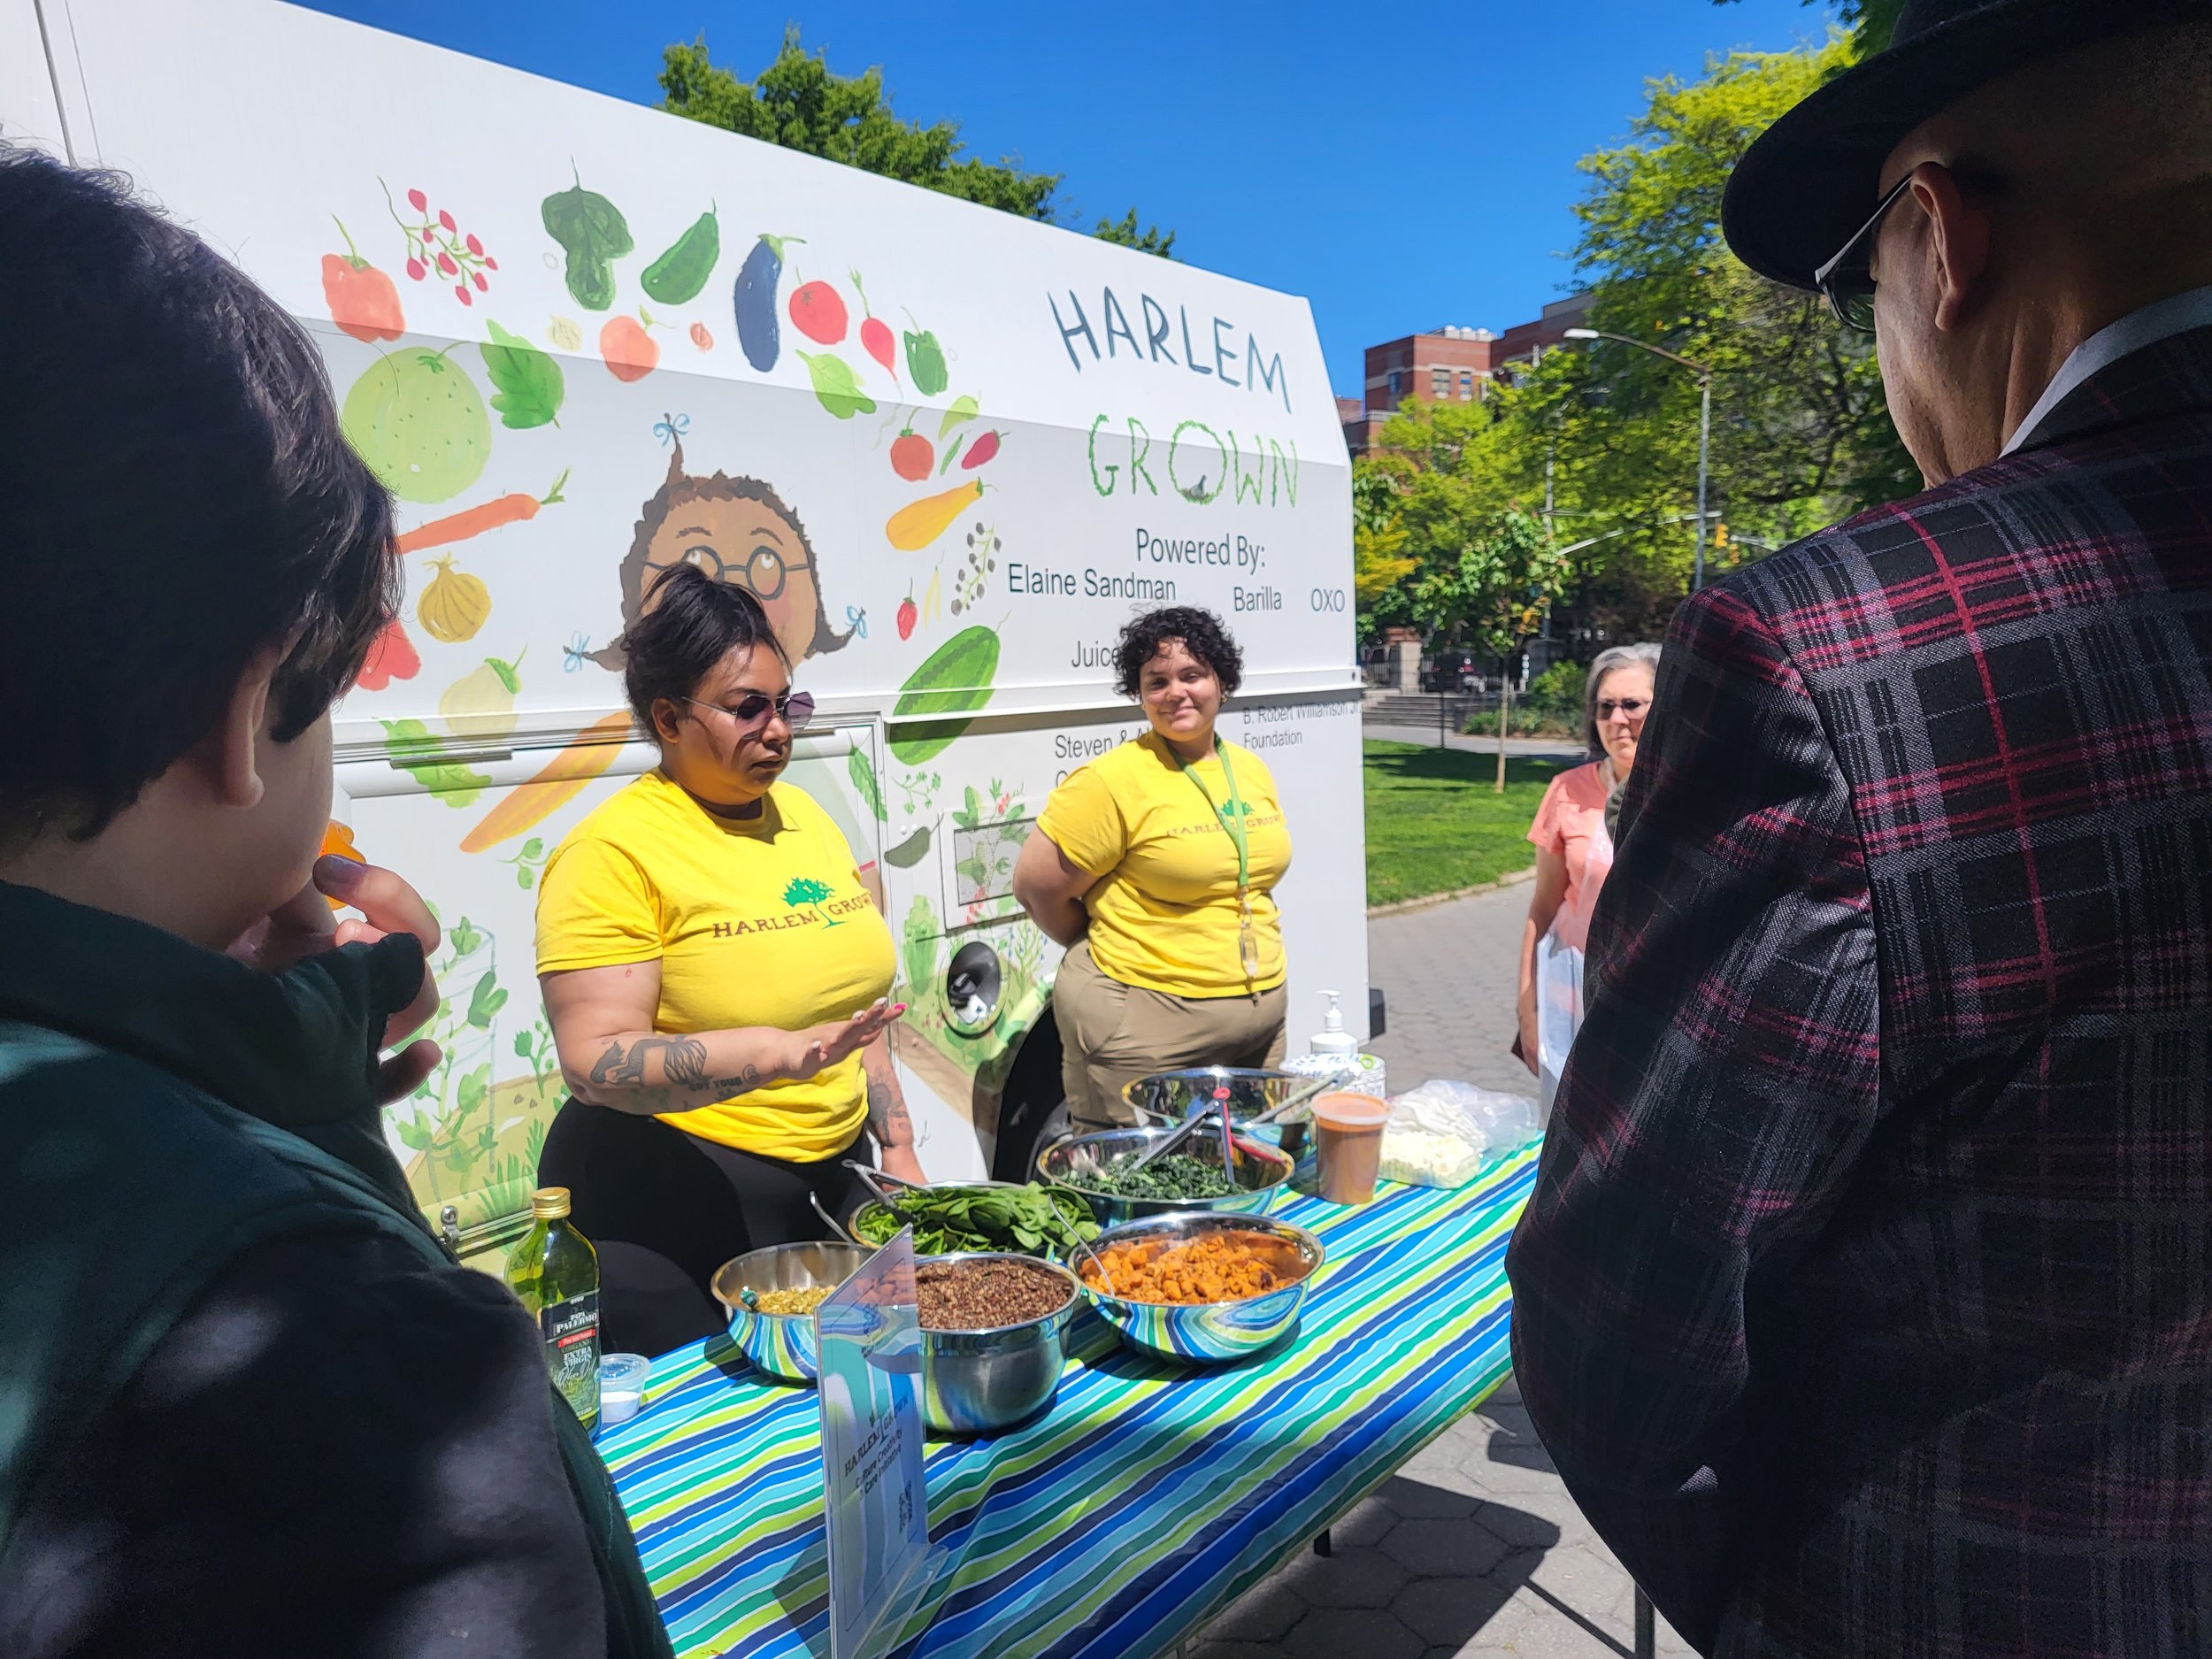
[1164,917]
[759,922]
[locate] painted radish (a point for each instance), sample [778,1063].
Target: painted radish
[876,338]
[818,313]
[911,457]
[980,451]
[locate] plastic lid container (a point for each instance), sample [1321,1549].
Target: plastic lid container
[624,1371]
[618,1405]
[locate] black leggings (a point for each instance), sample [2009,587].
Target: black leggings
[664,1209]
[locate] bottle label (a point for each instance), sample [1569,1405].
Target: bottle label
[572,1351]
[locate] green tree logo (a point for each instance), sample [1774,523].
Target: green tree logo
[804,890]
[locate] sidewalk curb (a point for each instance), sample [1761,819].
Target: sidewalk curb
[1511,878]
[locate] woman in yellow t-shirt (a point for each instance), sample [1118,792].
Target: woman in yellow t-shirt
[717,978]
[1155,865]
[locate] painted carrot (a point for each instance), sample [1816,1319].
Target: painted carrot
[554,786]
[489,514]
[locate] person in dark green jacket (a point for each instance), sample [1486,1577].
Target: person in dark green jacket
[249,1405]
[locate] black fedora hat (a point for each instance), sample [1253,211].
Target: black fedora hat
[1809,181]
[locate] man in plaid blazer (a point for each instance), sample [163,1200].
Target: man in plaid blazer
[1864,1301]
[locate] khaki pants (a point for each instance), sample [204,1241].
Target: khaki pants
[1112,1035]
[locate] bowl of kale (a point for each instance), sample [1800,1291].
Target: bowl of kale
[1102,1168]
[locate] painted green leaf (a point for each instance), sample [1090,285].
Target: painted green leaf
[964,408]
[411,746]
[474,1088]
[531,386]
[835,384]
[594,234]
[522,1045]
[862,770]
[485,1002]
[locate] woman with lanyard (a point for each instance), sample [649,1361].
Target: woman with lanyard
[1155,865]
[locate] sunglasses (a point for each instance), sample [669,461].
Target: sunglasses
[1847,282]
[1630,706]
[794,708]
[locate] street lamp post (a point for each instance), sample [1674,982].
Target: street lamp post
[1704,422]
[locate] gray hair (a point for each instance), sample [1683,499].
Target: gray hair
[1644,654]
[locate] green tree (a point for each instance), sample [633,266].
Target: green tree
[1151,239]
[798,102]
[1871,22]
[1802,435]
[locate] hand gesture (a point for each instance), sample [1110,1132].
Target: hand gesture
[303,924]
[823,1046]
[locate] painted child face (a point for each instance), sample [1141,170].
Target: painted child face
[751,545]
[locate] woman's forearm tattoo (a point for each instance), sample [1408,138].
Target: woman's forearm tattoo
[683,1069]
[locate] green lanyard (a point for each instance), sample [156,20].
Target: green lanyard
[1231,816]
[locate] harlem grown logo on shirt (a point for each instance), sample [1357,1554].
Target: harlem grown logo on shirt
[810,903]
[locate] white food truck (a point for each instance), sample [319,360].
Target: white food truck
[952,449]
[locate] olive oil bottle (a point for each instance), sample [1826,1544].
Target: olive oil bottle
[556,1273]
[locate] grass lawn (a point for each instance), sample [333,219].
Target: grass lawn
[1435,822]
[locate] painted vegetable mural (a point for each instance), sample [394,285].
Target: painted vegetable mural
[819,313]
[476,521]
[591,231]
[455,606]
[677,275]
[954,682]
[530,384]
[876,338]
[834,386]
[410,744]
[481,703]
[363,301]
[560,780]
[759,330]
[925,363]
[630,354]
[418,421]
[392,656]
[437,246]
[915,526]
[911,457]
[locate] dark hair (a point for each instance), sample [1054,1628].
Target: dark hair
[175,495]
[680,489]
[695,622]
[1203,636]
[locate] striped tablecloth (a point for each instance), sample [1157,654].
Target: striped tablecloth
[1144,1501]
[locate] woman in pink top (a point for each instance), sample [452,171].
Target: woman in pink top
[1574,850]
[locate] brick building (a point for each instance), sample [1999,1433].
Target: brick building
[1449,364]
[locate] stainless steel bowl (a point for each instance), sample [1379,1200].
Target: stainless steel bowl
[783,1344]
[1206,1333]
[1171,1097]
[1259,1169]
[873,1208]
[978,1382]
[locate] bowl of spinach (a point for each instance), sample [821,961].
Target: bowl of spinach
[951,1217]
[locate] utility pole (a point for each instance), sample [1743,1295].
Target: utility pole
[1704,445]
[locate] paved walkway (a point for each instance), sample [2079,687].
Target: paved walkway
[1474,1548]
[1548,747]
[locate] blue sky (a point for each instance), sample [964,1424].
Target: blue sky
[1403,168]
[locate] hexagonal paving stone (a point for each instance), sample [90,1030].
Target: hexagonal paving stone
[1518,1528]
[1366,1526]
[1263,1614]
[1331,1632]
[1449,1611]
[1232,1650]
[1419,1500]
[1350,1578]
[1456,1548]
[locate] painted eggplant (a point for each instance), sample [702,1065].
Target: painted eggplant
[759,328]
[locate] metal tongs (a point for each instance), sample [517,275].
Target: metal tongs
[872,1179]
[1218,1108]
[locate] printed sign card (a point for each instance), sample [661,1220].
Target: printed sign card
[871,1452]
